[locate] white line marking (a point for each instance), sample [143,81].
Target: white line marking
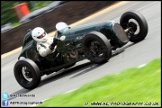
[65,92]
[141,65]
[71,90]
[45,99]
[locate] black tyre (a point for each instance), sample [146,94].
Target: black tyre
[137,23]
[27,73]
[96,47]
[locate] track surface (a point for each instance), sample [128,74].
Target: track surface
[84,71]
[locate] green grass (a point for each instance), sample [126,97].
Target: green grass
[131,85]
[40,4]
[36,5]
[15,24]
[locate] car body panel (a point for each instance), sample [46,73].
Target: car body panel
[93,41]
[70,50]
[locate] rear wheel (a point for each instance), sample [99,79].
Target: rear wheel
[27,73]
[97,47]
[136,25]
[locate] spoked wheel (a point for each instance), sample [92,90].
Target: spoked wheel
[97,47]
[27,74]
[95,50]
[135,25]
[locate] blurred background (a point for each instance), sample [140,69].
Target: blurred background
[17,17]
[13,13]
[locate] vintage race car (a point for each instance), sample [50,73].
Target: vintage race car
[94,41]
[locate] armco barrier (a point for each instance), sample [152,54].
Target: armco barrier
[69,12]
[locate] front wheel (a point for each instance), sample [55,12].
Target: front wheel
[97,47]
[27,73]
[136,25]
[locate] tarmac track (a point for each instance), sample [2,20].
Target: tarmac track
[84,71]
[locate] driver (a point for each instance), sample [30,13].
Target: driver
[45,45]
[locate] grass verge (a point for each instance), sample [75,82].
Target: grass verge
[136,86]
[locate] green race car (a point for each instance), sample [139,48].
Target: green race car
[94,41]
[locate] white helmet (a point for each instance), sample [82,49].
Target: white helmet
[39,34]
[61,26]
